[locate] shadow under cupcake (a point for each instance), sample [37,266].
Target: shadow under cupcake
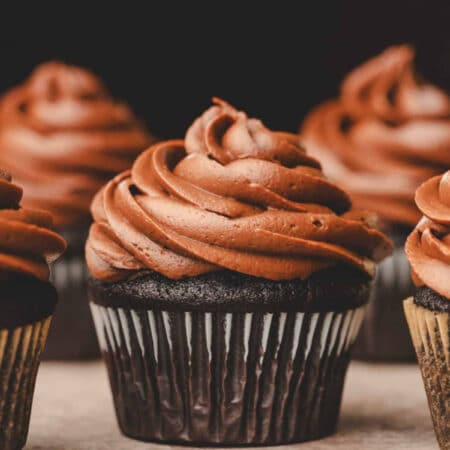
[63,136]
[229,280]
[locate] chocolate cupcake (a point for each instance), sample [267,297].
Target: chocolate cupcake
[63,137]
[386,133]
[428,313]
[27,302]
[229,279]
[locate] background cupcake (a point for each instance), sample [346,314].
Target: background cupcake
[63,136]
[229,279]
[27,302]
[428,314]
[384,135]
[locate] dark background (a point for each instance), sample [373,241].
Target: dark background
[274,61]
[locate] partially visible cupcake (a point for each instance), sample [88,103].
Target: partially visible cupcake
[27,303]
[428,313]
[385,134]
[63,136]
[229,283]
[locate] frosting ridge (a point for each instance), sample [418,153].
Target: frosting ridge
[428,246]
[63,137]
[27,244]
[385,134]
[234,195]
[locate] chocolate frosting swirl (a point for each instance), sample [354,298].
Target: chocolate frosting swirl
[234,195]
[428,246]
[63,137]
[27,245]
[384,135]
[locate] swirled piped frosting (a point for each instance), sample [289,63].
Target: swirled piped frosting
[428,246]
[233,195]
[63,137]
[27,244]
[384,135]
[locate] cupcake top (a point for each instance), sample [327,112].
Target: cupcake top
[234,195]
[63,136]
[27,245]
[428,246]
[386,133]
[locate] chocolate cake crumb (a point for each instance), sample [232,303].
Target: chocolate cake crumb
[333,289]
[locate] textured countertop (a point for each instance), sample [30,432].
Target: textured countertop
[384,408]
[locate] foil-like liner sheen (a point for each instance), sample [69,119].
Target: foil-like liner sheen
[20,354]
[384,333]
[226,378]
[430,333]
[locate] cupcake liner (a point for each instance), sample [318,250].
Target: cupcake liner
[72,335]
[384,334]
[226,378]
[20,354]
[430,333]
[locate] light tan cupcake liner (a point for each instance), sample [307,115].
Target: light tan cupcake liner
[430,332]
[20,355]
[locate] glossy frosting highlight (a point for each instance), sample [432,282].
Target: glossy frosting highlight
[27,244]
[63,137]
[428,246]
[234,195]
[386,134]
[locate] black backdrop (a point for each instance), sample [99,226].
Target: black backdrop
[276,62]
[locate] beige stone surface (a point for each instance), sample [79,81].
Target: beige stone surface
[384,408]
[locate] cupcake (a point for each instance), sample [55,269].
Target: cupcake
[27,302]
[428,312]
[63,136]
[229,279]
[386,134]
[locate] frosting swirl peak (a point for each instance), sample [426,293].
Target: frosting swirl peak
[63,136]
[234,195]
[428,246]
[27,245]
[385,134]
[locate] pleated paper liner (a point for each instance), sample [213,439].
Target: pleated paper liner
[384,333]
[226,378]
[20,354]
[72,335]
[430,332]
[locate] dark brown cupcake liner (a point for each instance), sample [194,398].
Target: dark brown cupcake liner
[384,334]
[20,354]
[72,335]
[210,378]
[430,333]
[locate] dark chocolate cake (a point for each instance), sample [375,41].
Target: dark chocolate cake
[385,134]
[76,138]
[431,300]
[27,303]
[25,300]
[428,250]
[229,279]
[336,289]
